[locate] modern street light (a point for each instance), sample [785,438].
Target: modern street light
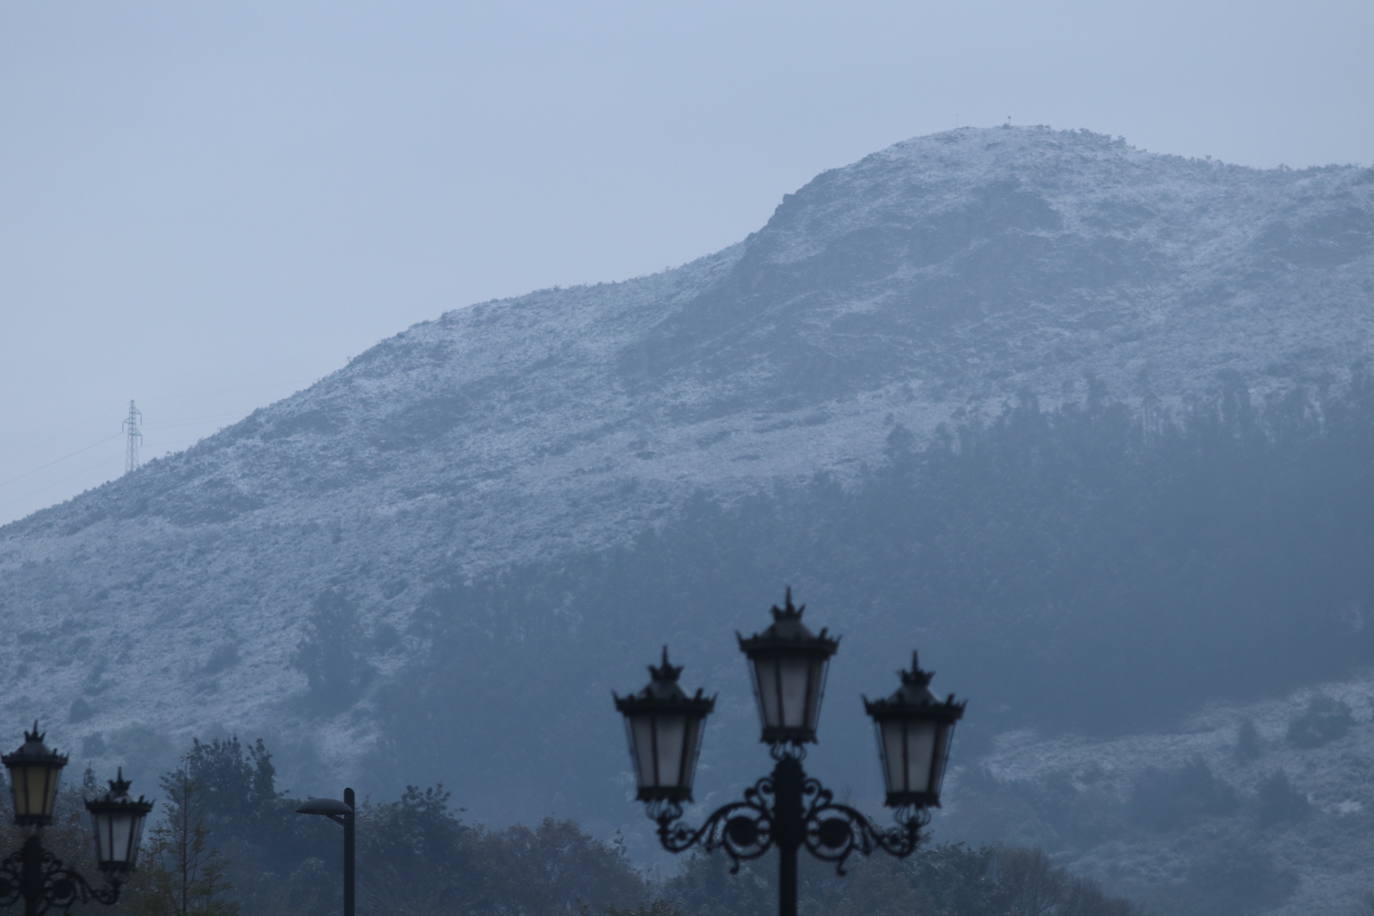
[33,874]
[789,809]
[344,813]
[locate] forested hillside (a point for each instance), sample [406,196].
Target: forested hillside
[1095,568]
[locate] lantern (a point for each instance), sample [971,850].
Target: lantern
[914,731]
[34,772]
[789,665]
[664,728]
[118,824]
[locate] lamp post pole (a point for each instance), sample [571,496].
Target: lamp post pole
[788,809]
[342,813]
[31,875]
[787,806]
[350,836]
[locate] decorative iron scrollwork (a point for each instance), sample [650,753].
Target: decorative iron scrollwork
[744,829]
[56,886]
[832,832]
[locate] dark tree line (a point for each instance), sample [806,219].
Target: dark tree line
[225,842]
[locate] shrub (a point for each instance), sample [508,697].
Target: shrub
[1248,745]
[1162,799]
[1324,720]
[1277,800]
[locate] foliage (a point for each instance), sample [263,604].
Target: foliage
[181,873]
[218,849]
[940,880]
[330,654]
[1241,877]
[1324,720]
[1249,746]
[1278,801]
[1164,799]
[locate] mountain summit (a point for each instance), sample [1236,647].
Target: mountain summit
[940,275]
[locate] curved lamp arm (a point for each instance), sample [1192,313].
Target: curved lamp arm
[748,828]
[33,873]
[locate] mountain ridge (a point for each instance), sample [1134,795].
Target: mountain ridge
[935,278]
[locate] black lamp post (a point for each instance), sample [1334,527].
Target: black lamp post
[33,874]
[789,809]
[344,813]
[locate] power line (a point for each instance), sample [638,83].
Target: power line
[59,458]
[180,424]
[193,421]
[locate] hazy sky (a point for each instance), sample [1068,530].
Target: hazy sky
[207,206]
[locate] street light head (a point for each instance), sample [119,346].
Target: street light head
[118,823]
[914,730]
[789,665]
[664,726]
[34,772]
[329,807]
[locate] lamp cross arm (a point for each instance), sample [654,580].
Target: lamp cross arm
[32,872]
[833,832]
[743,829]
[830,831]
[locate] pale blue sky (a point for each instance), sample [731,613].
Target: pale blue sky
[205,206]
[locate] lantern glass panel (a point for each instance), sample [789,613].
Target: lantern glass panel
[35,790]
[891,746]
[918,753]
[794,676]
[115,833]
[138,839]
[695,726]
[942,743]
[640,731]
[766,688]
[820,670]
[671,731]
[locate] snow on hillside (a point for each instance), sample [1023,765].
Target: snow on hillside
[939,276]
[1326,849]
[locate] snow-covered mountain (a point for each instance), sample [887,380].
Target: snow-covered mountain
[941,275]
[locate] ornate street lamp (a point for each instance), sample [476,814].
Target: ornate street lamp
[36,876]
[788,809]
[663,726]
[914,733]
[789,665]
[34,774]
[343,813]
[117,821]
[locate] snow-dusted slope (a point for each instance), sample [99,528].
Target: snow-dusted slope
[949,270]
[1324,852]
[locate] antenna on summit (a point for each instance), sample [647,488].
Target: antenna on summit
[135,437]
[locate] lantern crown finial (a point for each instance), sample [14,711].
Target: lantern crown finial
[787,627]
[34,749]
[663,686]
[788,611]
[119,786]
[916,678]
[665,671]
[117,794]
